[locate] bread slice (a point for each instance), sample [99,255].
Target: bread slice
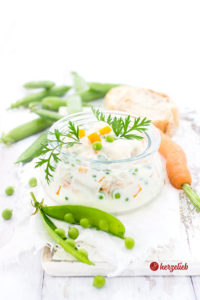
[145,103]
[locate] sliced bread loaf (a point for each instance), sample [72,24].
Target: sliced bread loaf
[145,103]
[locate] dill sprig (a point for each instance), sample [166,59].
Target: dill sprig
[123,128]
[50,153]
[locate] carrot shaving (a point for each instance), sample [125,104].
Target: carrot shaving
[102,179]
[140,189]
[58,191]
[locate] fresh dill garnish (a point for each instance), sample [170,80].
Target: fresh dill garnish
[123,128]
[50,153]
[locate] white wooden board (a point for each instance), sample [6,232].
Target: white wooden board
[186,250]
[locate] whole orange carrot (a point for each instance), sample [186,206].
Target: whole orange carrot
[177,170]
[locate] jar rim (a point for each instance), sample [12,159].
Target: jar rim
[152,134]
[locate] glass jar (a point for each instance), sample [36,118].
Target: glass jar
[116,186]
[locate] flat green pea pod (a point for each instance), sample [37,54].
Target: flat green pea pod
[91,95]
[53,103]
[34,150]
[51,227]
[42,84]
[96,217]
[47,114]
[25,130]
[102,87]
[36,97]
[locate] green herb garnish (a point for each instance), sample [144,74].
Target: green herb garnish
[123,127]
[53,149]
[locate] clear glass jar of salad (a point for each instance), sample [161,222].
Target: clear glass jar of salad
[117,175]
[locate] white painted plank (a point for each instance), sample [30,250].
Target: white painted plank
[155,288]
[22,280]
[195,280]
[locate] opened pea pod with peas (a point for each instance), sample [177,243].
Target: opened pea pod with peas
[94,164]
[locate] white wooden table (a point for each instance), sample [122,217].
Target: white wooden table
[27,280]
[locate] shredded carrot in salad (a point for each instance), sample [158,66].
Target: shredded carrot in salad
[101,179]
[58,191]
[140,189]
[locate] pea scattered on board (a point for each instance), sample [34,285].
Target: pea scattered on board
[6,214]
[33,182]
[99,281]
[129,242]
[9,190]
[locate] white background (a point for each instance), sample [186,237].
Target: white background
[153,44]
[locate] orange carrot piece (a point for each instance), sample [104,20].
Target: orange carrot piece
[140,189]
[102,178]
[176,162]
[83,170]
[58,191]
[81,133]
[94,137]
[105,130]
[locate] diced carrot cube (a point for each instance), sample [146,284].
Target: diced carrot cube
[94,137]
[81,133]
[105,130]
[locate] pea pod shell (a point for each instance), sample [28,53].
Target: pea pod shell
[91,95]
[102,87]
[53,103]
[50,227]
[94,215]
[47,114]
[34,149]
[45,84]
[36,97]
[25,130]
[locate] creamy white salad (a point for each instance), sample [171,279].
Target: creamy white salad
[106,171]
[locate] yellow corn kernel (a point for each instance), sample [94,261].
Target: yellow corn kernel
[105,130]
[81,133]
[94,137]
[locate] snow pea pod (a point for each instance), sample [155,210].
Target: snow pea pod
[36,97]
[25,130]
[51,227]
[34,149]
[53,103]
[43,84]
[91,95]
[102,87]
[47,114]
[96,217]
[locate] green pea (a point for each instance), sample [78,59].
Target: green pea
[84,222]
[129,242]
[69,218]
[9,190]
[66,198]
[126,199]
[33,182]
[117,195]
[6,214]
[97,146]
[71,242]
[103,225]
[101,195]
[83,251]
[99,281]
[60,232]
[109,138]
[73,232]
